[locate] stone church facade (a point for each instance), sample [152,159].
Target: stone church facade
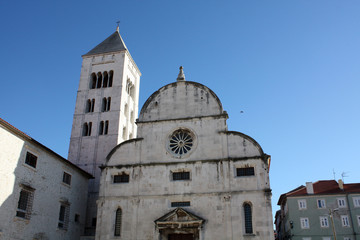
[185,176]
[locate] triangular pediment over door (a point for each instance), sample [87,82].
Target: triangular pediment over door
[179,221]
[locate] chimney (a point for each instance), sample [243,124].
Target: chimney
[341,184]
[309,188]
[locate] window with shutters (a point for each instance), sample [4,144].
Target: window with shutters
[63,222]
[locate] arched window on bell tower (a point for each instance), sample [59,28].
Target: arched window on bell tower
[106,79]
[101,128]
[106,127]
[111,74]
[99,80]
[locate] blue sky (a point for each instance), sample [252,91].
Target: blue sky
[292,67]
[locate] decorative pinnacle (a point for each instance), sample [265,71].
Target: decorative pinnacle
[181,76]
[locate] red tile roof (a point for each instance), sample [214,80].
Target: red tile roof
[322,187]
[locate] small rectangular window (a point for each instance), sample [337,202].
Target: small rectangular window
[181,176]
[302,204]
[341,202]
[304,222]
[358,219]
[321,203]
[345,221]
[77,218]
[324,222]
[326,238]
[247,171]
[25,204]
[356,201]
[64,216]
[31,159]
[180,204]
[66,178]
[121,178]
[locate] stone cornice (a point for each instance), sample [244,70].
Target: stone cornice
[182,162]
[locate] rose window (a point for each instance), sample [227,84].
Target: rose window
[181,142]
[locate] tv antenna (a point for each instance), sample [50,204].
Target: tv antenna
[343,175]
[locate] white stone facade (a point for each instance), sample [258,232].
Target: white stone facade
[145,179]
[40,182]
[118,118]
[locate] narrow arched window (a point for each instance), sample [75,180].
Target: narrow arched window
[124,133]
[111,73]
[108,104]
[132,116]
[126,110]
[93,81]
[92,105]
[99,80]
[88,106]
[118,217]
[106,79]
[85,129]
[248,218]
[132,91]
[128,86]
[101,128]
[89,132]
[106,127]
[104,104]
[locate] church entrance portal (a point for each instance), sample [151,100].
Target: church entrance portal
[179,224]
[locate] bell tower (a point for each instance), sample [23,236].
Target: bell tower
[105,111]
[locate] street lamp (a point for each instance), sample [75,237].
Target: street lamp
[331,212]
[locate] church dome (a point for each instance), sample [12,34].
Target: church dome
[181,100]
